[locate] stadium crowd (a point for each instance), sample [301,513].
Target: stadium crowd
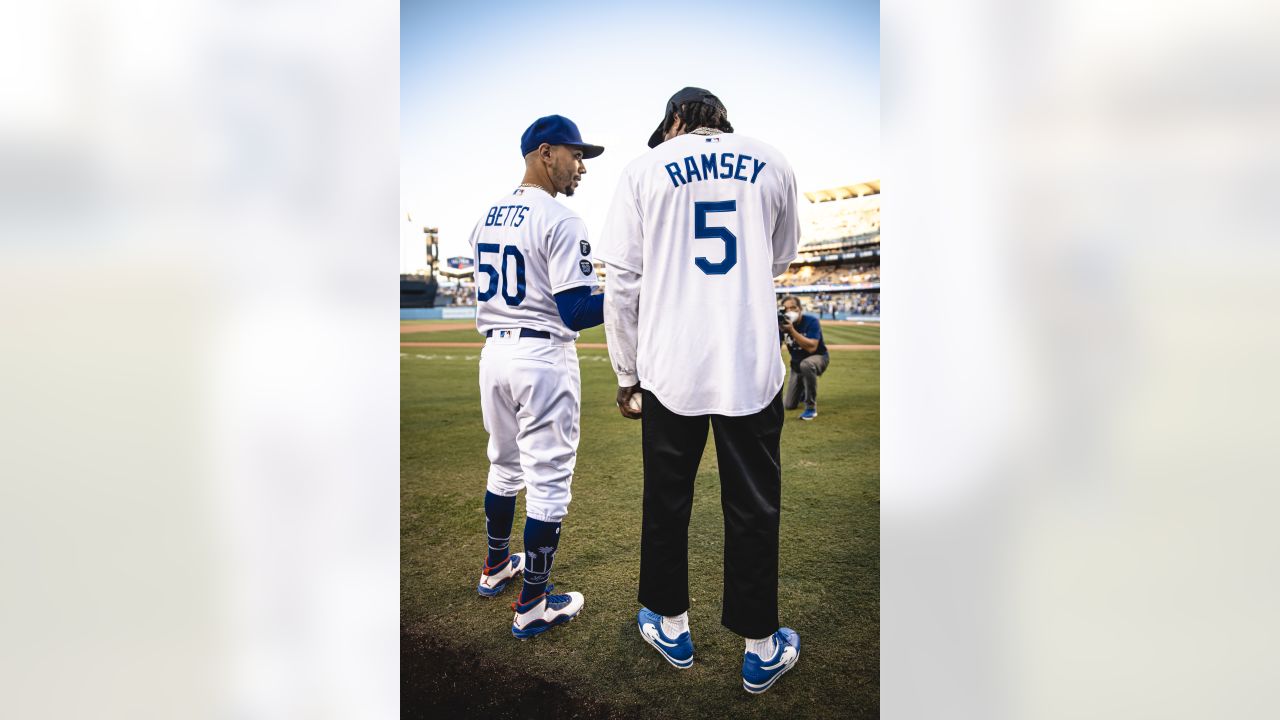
[828,275]
[829,305]
[459,295]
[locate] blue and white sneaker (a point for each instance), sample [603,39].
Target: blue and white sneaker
[493,580]
[544,612]
[759,674]
[809,414]
[678,650]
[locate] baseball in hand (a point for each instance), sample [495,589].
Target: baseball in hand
[633,403]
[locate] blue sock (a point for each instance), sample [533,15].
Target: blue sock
[499,513]
[540,542]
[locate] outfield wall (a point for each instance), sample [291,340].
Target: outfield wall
[468,313]
[439,313]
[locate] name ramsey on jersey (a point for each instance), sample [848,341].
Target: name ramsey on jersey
[714,166]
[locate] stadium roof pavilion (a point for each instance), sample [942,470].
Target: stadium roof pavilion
[870,187]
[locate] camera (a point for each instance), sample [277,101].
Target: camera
[782,317]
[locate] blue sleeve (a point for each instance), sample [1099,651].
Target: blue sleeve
[579,309]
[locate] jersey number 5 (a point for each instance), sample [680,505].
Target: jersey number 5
[497,280]
[702,232]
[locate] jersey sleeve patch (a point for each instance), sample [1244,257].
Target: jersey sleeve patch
[584,266]
[585,247]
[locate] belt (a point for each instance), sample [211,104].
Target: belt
[527,333]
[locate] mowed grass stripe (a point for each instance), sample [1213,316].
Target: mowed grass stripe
[850,334]
[829,550]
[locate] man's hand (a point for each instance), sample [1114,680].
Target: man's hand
[807,344]
[625,395]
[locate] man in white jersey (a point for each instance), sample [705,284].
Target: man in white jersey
[705,220]
[533,293]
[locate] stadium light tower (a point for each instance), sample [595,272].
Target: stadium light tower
[432,237]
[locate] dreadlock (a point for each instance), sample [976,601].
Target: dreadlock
[698,114]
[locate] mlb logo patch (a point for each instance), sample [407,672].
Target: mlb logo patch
[584,266]
[585,247]
[713,139]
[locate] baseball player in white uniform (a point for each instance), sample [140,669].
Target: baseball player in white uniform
[699,227]
[533,293]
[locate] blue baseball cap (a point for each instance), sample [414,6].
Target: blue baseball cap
[555,130]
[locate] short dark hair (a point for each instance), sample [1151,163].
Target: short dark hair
[699,114]
[799,302]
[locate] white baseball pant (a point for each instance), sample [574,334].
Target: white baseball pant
[530,395]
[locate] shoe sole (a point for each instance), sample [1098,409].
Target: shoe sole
[535,633]
[772,680]
[495,592]
[688,663]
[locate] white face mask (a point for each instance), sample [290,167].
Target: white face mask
[792,315]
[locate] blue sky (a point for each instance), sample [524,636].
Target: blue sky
[804,77]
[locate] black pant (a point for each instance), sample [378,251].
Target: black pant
[750,496]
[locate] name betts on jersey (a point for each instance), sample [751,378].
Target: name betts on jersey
[528,248]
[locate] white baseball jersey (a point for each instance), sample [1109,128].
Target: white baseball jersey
[527,248]
[705,222]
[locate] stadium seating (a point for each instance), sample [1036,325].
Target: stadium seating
[462,294]
[829,275]
[417,291]
[837,272]
[843,305]
[840,224]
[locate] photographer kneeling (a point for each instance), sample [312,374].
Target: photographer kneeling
[809,358]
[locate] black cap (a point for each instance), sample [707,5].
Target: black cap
[687,95]
[556,130]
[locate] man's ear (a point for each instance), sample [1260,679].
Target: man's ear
[544,151]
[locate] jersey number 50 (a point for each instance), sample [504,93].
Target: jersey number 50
[497,280]
[702,232]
